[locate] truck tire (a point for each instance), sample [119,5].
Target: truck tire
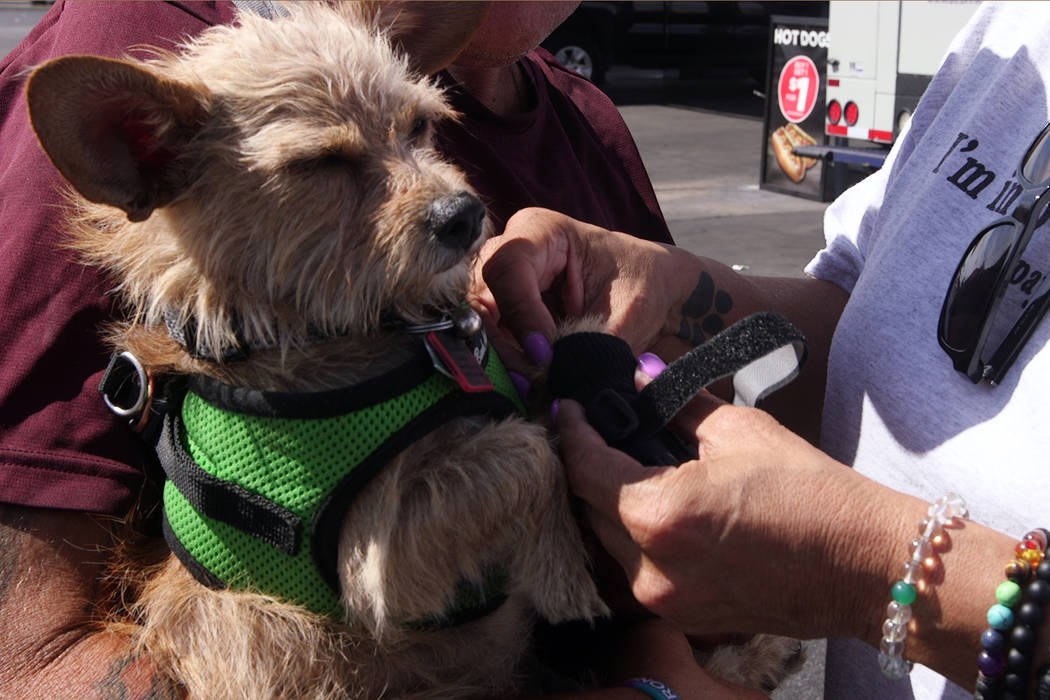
[577,52]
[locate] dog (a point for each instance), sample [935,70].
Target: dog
[289,246]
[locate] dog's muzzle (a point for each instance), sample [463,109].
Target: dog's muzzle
[456,221]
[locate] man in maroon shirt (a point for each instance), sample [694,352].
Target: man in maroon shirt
[553,141]
[532,134]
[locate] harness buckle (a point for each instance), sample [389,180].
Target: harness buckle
[127,389]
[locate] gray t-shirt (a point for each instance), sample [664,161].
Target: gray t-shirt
[895,408]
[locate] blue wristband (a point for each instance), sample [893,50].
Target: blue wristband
[654,689]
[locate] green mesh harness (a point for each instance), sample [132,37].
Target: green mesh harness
[258,482]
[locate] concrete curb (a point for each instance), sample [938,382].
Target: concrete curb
[19,5]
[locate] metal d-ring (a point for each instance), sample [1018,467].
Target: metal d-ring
[145,388]
[467,321]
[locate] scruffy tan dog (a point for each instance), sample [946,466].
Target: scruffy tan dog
[271,207]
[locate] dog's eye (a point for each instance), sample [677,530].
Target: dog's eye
[332,160]
[419,129]
[320,162]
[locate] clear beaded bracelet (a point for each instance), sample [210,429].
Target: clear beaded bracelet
[904,592]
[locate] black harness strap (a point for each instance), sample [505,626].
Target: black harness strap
[199,571]
[223,500]
[316,404]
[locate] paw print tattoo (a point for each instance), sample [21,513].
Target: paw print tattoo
[703,312]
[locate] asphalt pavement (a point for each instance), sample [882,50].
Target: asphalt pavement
[16,19]
[701,140]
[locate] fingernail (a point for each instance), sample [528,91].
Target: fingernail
[651,365]
[521,383]
[538,349]
[554,411]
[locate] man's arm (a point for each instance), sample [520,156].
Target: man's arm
[656,650]
[52,640]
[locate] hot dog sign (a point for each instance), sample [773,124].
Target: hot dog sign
[783,140]
[795,104]
[797,88]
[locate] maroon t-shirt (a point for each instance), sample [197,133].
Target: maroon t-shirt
[59,446]
[572,153]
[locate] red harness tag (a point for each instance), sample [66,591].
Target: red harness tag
[459,361]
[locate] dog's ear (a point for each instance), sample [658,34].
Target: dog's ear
[114,129]
[432,33]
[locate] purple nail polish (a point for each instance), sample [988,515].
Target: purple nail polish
[651,365]
[538,349]
[521,383]
[554,411]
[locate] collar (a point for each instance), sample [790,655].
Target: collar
[184,331]
[258,482]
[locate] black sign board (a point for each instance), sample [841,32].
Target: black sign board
[795,88]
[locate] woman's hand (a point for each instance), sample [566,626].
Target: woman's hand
[547,266]
[753,536]
[765,533]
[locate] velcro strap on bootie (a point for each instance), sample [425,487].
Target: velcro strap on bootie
[762,352]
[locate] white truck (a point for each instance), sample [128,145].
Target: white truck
[881,57]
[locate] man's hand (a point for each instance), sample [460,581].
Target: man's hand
[654,649]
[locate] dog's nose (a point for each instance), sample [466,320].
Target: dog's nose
[456,220]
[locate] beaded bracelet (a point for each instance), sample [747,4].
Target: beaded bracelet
[904,592]
[1028,577]
[654,689]
[1029,615]
[1042,689]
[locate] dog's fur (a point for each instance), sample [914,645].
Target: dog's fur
[281,173]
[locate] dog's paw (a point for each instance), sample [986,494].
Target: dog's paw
[591,323]
[762,662]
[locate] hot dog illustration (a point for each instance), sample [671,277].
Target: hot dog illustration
[798,137]
[791,164]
